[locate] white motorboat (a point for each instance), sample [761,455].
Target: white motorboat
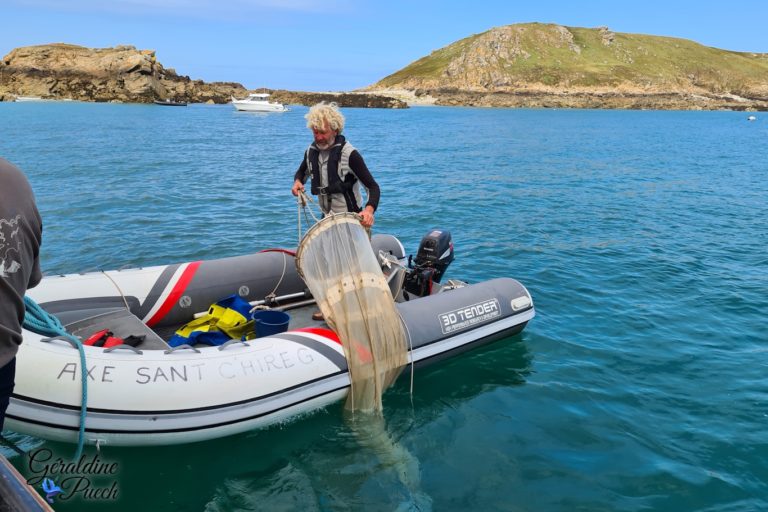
[258,102]
[29,98]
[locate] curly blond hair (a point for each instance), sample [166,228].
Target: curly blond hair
[323,113]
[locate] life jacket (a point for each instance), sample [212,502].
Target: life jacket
[336,168]
[227,319]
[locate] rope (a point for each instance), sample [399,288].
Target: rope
[39,321]
[285,266]
[410,348]
[303,200]
[122,295]
[271,295]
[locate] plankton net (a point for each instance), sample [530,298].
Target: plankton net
[339,267]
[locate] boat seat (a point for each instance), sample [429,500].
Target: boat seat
[394,273]
[120,321]
[71,317]
[395,280]
[71,308]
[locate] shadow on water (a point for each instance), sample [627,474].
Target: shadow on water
[322,461]
[371,433]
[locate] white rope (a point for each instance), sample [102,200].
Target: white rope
[122,295]
[303,200]
[410,348]
[299,203]
[271,294]
[285,266]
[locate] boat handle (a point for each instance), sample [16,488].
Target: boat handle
[181,347]
[230,342]
[63,338]
[123,346]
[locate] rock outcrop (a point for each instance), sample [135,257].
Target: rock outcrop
[123,73]
[342,99]
[546,65]
[589,99]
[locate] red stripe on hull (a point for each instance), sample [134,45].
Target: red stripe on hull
[326,333]
[176,293]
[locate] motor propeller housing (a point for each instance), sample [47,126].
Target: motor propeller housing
[434,255]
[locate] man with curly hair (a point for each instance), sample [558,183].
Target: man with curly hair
[335,167]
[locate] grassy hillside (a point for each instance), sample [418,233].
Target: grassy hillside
[551,56]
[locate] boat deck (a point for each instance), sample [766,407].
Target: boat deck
[300,317]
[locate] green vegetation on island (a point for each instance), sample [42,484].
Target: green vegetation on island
[536,60]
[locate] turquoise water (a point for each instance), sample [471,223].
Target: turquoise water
[640,385]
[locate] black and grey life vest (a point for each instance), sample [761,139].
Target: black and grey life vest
[333,181]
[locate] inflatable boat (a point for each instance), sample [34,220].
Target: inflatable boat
[151,393]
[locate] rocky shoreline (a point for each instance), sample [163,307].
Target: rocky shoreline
[343,99]
[126,75]
[593,100]
[120,74]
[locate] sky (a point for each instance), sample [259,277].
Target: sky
[342,45]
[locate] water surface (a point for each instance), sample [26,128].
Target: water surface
[641,235]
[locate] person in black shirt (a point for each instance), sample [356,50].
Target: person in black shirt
[335,167]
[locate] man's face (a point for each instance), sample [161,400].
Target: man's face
[324,137]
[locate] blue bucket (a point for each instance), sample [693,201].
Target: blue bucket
[269,322]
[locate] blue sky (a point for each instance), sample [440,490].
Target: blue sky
[336,45]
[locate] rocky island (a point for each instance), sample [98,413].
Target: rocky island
[125,74]
[548,65]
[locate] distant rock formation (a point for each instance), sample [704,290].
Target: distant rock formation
[547,65]
[354,99]
[123,73]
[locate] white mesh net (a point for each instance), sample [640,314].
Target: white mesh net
[338,264]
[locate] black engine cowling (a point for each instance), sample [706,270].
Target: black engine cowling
[434,255]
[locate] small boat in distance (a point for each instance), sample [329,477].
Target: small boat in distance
[258,102]
[29,98]
[171,103]
[751,118]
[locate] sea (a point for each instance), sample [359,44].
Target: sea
[642,237]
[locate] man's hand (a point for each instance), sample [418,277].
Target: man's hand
[366,217]
[297,185]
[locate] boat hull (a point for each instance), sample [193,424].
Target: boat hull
[246,106]
[168,103]
[158,396]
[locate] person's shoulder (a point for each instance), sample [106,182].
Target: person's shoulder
[355,154]
[5,165]
[10,173]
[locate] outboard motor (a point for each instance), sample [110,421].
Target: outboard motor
[434,256]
